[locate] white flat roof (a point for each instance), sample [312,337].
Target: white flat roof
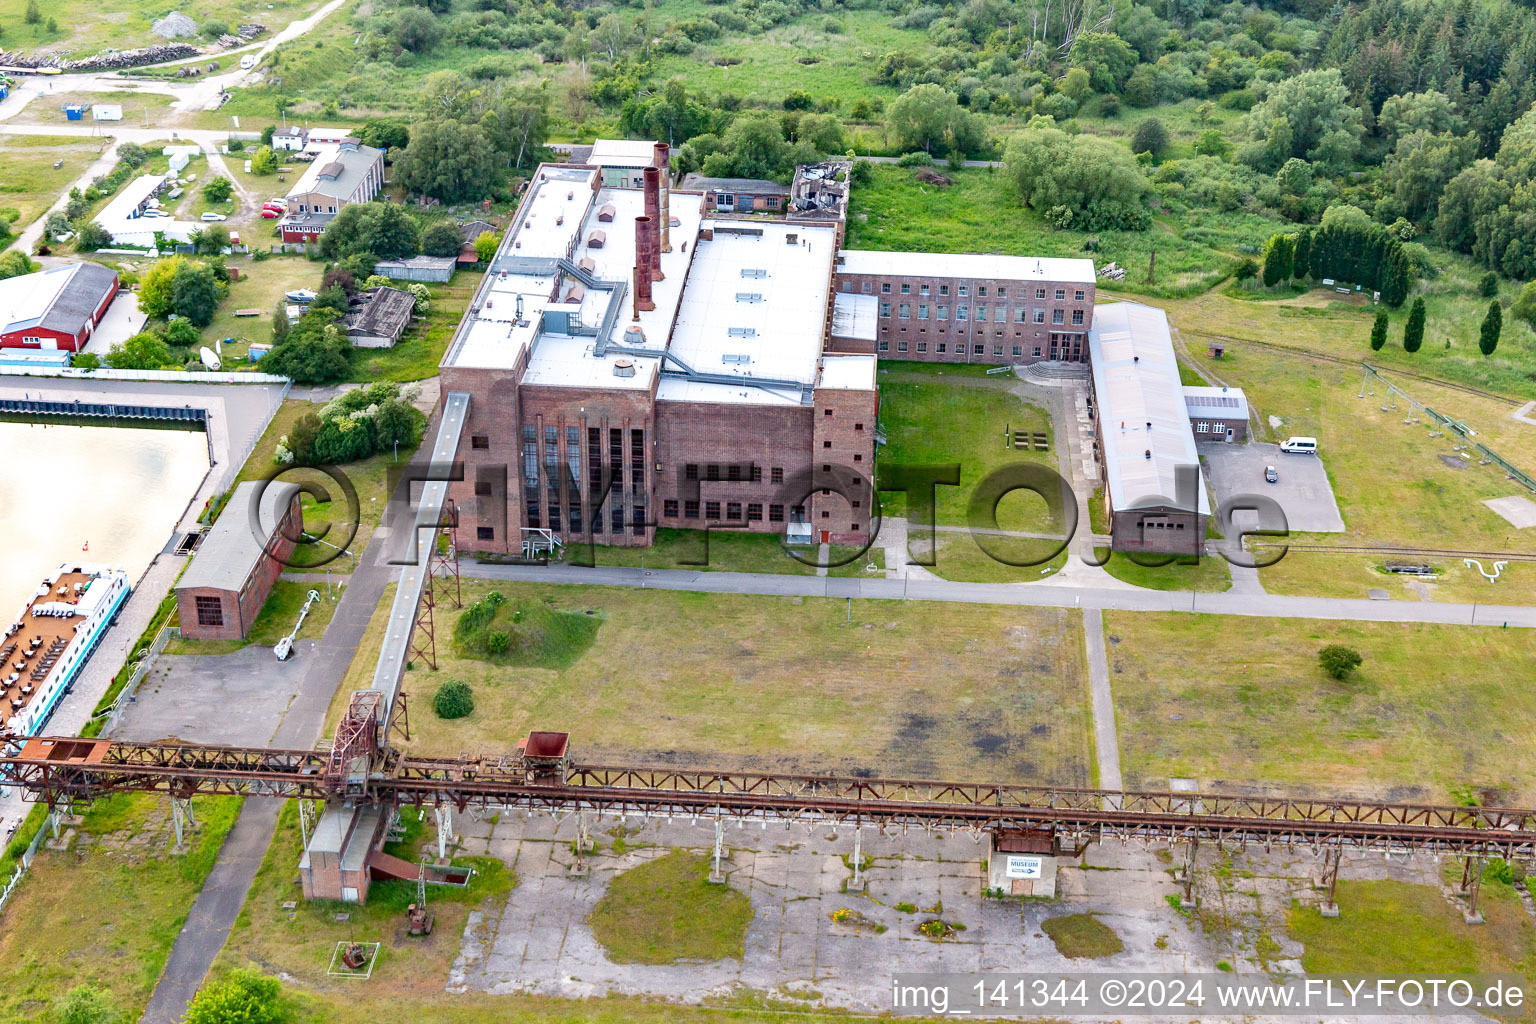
[1141,406]
[755,305]
[558,220]
[125,204]
[847,373]
[622,153]
[855,315]
[979,266]
[25,298]
[676,389]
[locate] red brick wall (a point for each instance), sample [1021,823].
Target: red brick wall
[843,439]
[240,608]
[704,435]
[998,340]
[1130,531]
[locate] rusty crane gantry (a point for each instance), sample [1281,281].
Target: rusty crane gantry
[57,770]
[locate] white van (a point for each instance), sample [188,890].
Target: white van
[1299,446]
[248,61]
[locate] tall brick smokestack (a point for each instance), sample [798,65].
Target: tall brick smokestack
[653,214]
[645,242]
[664,165]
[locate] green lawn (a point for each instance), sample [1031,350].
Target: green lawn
[370,477]
[1082,936]
[275,620]
[1187,572]
[261,286]
[666,911]
[936,414]
[981,212]
[31,183]
[301,942]
[421,348]
[784,683]
[106,912]
[1433,714]
[1396,928]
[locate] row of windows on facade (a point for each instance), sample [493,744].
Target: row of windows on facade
[1206,427]
[573,442]
[962,314]
[672,508]
[963,291]
[997,350]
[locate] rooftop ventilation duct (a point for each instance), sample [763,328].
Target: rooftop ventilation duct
[652,178]
[623,367]
[633,335]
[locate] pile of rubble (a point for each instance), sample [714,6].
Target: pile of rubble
[174,26]
[156,54]
[105,61]
[1112,272]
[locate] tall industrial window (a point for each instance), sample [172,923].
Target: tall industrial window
[210,611]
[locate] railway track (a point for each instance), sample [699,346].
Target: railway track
[1342,361]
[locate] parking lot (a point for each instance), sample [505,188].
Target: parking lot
[1303,490]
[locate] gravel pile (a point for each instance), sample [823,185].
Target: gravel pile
[174,26]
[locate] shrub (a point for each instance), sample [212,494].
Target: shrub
[245,996]
[1413,333]
[86,1004]
[1379,331]
[918,159]
[1339,661]
[454,699]
[1150,137]
[1488,285]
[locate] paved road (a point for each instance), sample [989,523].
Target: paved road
[1024,594]
[1106,742]
[224,892]
[191,94]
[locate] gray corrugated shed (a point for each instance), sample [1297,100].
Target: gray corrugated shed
[231,548]
[383,313]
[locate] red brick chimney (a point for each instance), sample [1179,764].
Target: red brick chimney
[653,214]
[664,165]
[644,243]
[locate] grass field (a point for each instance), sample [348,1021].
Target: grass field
[981,212]
[140,109]
[1397,928]
[666,910]
[300,943]
[1393,482]
[1082,936]
[421,348]
[106,911]
[261,286]
[85,28]
[31,183]
[1320,321]
[782,683]
[1432,714]
[957,414]
[1207,573]
[369,476]
[275,620]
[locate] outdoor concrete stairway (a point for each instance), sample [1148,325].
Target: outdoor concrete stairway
[1053,373]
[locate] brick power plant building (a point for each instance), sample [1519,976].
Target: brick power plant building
[636,360]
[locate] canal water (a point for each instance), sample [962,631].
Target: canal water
[118,490]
